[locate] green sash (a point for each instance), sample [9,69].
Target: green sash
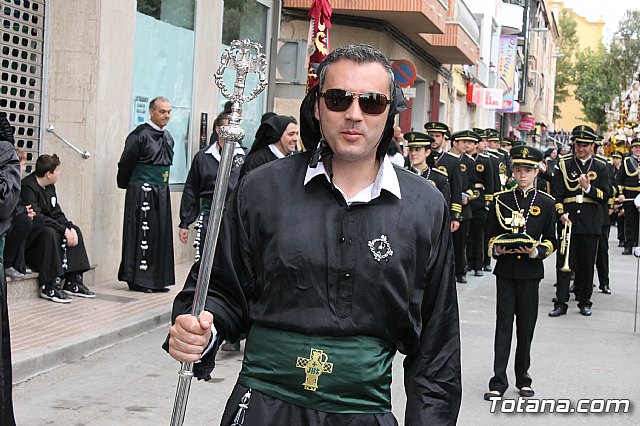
[151,174]
[205,206]
[332,374]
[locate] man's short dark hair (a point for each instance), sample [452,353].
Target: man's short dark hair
[360,54]
[152,104]
[46,163]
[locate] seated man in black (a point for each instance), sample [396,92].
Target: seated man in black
[59,251]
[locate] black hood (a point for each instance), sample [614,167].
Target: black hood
[270,131]
[310,127]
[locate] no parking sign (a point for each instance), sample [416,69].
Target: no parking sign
[404,73]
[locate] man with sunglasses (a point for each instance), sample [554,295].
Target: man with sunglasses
[341,263]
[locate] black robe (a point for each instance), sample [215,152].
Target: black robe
[46,253]
[256,159]
[9,196]
[297,258]
[200,184]
[151,267]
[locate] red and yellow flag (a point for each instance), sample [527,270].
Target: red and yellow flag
[318,41]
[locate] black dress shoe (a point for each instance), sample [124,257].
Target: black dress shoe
[492,394]
[461,279]
[160,290]
[605,289]
[135,287]
[626,251]
[585,310]
[477,273]
[487,268]
[558,311]
[526,392]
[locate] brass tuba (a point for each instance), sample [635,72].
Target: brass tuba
[565,246]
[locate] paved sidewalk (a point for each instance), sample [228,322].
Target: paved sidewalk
[45,334]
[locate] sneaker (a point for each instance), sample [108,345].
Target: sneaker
[13,273]
[78,289]
[28,270]
[55,295]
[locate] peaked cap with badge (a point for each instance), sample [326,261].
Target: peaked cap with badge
[436,126]
[418,139]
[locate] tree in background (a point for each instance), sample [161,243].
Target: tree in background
[596,83]
[625,50]
[567,45]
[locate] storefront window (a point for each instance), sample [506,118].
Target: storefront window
[163,66]
[246,19]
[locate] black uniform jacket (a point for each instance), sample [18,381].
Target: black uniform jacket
[201,181]
[145,145]
[468,181]
[586,217]
[450,164]
[541,221]
[296,257]
[437,178]
[504,169]
[44,201]
[628,178]
[483,188]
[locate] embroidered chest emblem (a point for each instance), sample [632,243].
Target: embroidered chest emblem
[238,160]
[592,175]
[380,248]
[535,210]
[317,364]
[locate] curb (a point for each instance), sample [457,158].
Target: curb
[37,361]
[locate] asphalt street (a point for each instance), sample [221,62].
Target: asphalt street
[573,357]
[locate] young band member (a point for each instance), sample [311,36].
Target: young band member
[422,163]
[522,229]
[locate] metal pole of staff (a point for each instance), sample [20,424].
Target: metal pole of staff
[240,58]
[636,253]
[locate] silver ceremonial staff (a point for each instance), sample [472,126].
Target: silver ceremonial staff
[244,57]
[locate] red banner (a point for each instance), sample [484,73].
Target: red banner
[318,41]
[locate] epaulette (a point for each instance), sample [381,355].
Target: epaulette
[566,156]
[492,155]
[442,172]
[602,159]
[482,154]
[547,194]
[456,156]
[502,192]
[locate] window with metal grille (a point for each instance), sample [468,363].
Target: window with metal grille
[21,40]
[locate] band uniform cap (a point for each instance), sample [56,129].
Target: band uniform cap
[436,126]
[479,131]
[492,134]
[506,140]
[418,139]
[526,156]
[447,135]
[583,136]
[635,142]
[466,135]
[582,128]
[518,143]
[616,154]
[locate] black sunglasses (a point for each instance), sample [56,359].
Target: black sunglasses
[339,100]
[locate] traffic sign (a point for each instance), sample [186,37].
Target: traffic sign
[404,72]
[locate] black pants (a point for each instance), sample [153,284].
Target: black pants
[620,225]
[46,254]
[23,232]
[477,248]
[582,257]
[460,247]
[517,298]
[602,257]
[630,224]
[6,402]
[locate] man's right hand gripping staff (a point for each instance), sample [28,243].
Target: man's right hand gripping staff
[189,336]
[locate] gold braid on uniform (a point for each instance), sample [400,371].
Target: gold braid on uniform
[565,177]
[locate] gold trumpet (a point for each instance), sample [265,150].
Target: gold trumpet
[565,246]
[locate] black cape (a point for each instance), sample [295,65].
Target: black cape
[146,145]
[256,159]
[9,196]
[297,258]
